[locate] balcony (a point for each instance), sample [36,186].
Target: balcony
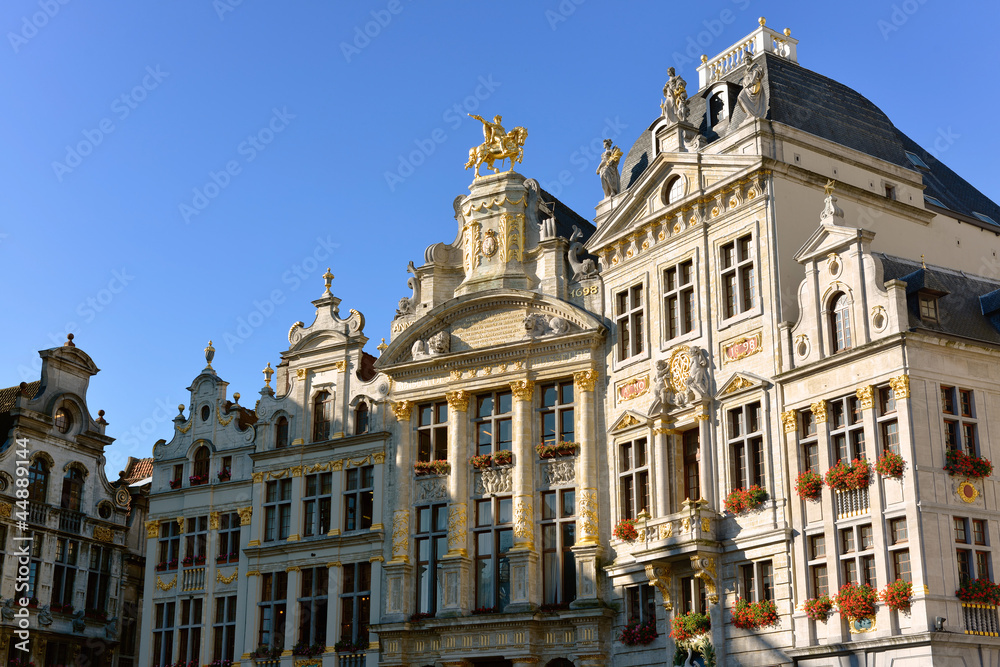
[350,660]
[38,513]
[193,579]
[980,619]
[853,502]
[70,521]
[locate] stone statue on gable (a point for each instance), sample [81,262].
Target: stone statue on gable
[675,106]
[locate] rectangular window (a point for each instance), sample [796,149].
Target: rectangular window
[928,308]
[189,631]
[37,540]
[901,564]
[746,446]
[558,538]
[355,602]
[196,540]
[163,633]
[633,478]
[973,564]
[857,557]
[229,538]
[316,504]
[629,318]
[692,463]
[738,276]
[431,547]
[678,299]
[888,424]
[847,431]
[432,432]
[818,575]
[960,432]
[494,538]
[277,510]
[640,604]
[979,531]
[820,580]
[757,581]
[224,629]
[494,413]
[273,607]
[808,441]
[693,594]
[169,545]
[359,494]
[99,578]
[64,572]
[313,600]
[3,549]
[558,417]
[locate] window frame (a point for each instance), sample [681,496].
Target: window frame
[679,301]
[860,557]
[846,436]
[816,559]
[558,560]
[100,564]
[359,498]
[746,289]
[639,603]
[314,605]
[559,410]
[273,609]
[224,628]
[434,532]
[277,510]
[898,546]
[629,345]
[359,601]
[64,570]
[164,620]
[316,502]
[756,580]
[638,476]
[432,435]
[746,446]
[499,533]
[322,415]
[189,629]
[839,307]
[965,420]
[492,423]
[230,534]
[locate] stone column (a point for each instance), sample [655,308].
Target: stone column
[149,584]
[666,475]
[292,608]
[375,611]
[248,631]
[455,564]
[706,460]
[298,488]
[523,557]
[334,587]
[588,547]
[378,497]
[398,571]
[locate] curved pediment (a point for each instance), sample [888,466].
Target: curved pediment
[485,320]
[326,329]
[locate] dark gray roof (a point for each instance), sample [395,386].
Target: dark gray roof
[813,103]
[968,309]
[566,218]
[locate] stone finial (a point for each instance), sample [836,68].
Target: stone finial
[381,347]
[788,32]
[236,398]
[268,372]
[180,409]
[327,280]
[209,354]
[761,21]
[100,418]
[704,58]
[69,341]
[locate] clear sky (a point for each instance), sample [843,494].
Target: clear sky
[176,172]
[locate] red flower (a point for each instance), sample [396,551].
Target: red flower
[626,531]
[857,601]
[818,608]
[890,465]
[754,615]
[744,500]
[638,634]
[809,485]
[980,591]
[689,625]
[843,477]
[896,595]
[960,464]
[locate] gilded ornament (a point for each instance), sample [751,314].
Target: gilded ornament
[253,573]
[685,525]
[627,421]
[666,530]
[498,144]
[522,389]
[472,246]
[337,466]
[706,525]
[588,521]
[400,535]
[523,519]
[376,559]
[742,347]
[223,422]
[185,429]
[293,568]
[456,528]
[378,457]
[103,534]
[293,538]
[584,380]
[180,525]
[458,400]
[245,514]
[213,520]
[226,580]
[152,528]
[257,477]
[295,471]
[341,365]
[680,368]
[819,411]
[5,510]
[867,397]
[402,410]
[253,543]
[790,421]
[967,492]
[300,373]
[900,386]
[164,586]
[659,576]
[739,382]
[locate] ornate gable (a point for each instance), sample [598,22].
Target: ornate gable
[740,382]
[628,420]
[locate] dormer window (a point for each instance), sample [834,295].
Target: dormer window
[840,322]
[928,307]
[890,191]
[281,433]
[322,416]
[717,111]
[63,420]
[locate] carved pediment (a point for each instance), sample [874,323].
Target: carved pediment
[628,420]
[740,382]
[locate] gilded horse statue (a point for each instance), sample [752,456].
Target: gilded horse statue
[497,144]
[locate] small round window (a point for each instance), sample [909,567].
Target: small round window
[205,412]
[63,420]
[104,509]
[675,190]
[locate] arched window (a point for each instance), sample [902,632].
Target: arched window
[72,491]
[675,190]
[63,420]
[361,418]
[840,322]
[201,460]
[281,433]
[322,416]
[38,480]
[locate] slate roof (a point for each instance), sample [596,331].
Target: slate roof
[966,308]
[567,217]
[9,395]
[816,104]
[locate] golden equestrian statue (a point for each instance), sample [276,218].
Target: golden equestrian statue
[497,145]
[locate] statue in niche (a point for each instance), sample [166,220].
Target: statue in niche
[752,98]
[697,382]
[582,269]
[675,106]
[608,169]
[663,398]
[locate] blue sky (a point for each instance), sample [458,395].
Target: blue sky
[176,172]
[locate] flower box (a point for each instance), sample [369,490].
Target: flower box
[896,595]
[556,449]
[484,610]
[856,601]
[745,500]
[307,650]
[626,531]
[431,467]
[503,458]
[844,477]
[188,561]
[638,634]
[420,616]
[979,591]
[266,652]
[175,484]
[690,625]
[197,480]
[818,608]
[481,461]
[754,615]
[553,607]
[221,663]
[225,475]
[890,465]
[348,646]
[160,567]
[960,464]
[809,485]
[96,614]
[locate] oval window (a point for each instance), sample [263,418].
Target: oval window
[63,420]
[205,412]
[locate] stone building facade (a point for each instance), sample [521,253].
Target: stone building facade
[67,543]
[266,532]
